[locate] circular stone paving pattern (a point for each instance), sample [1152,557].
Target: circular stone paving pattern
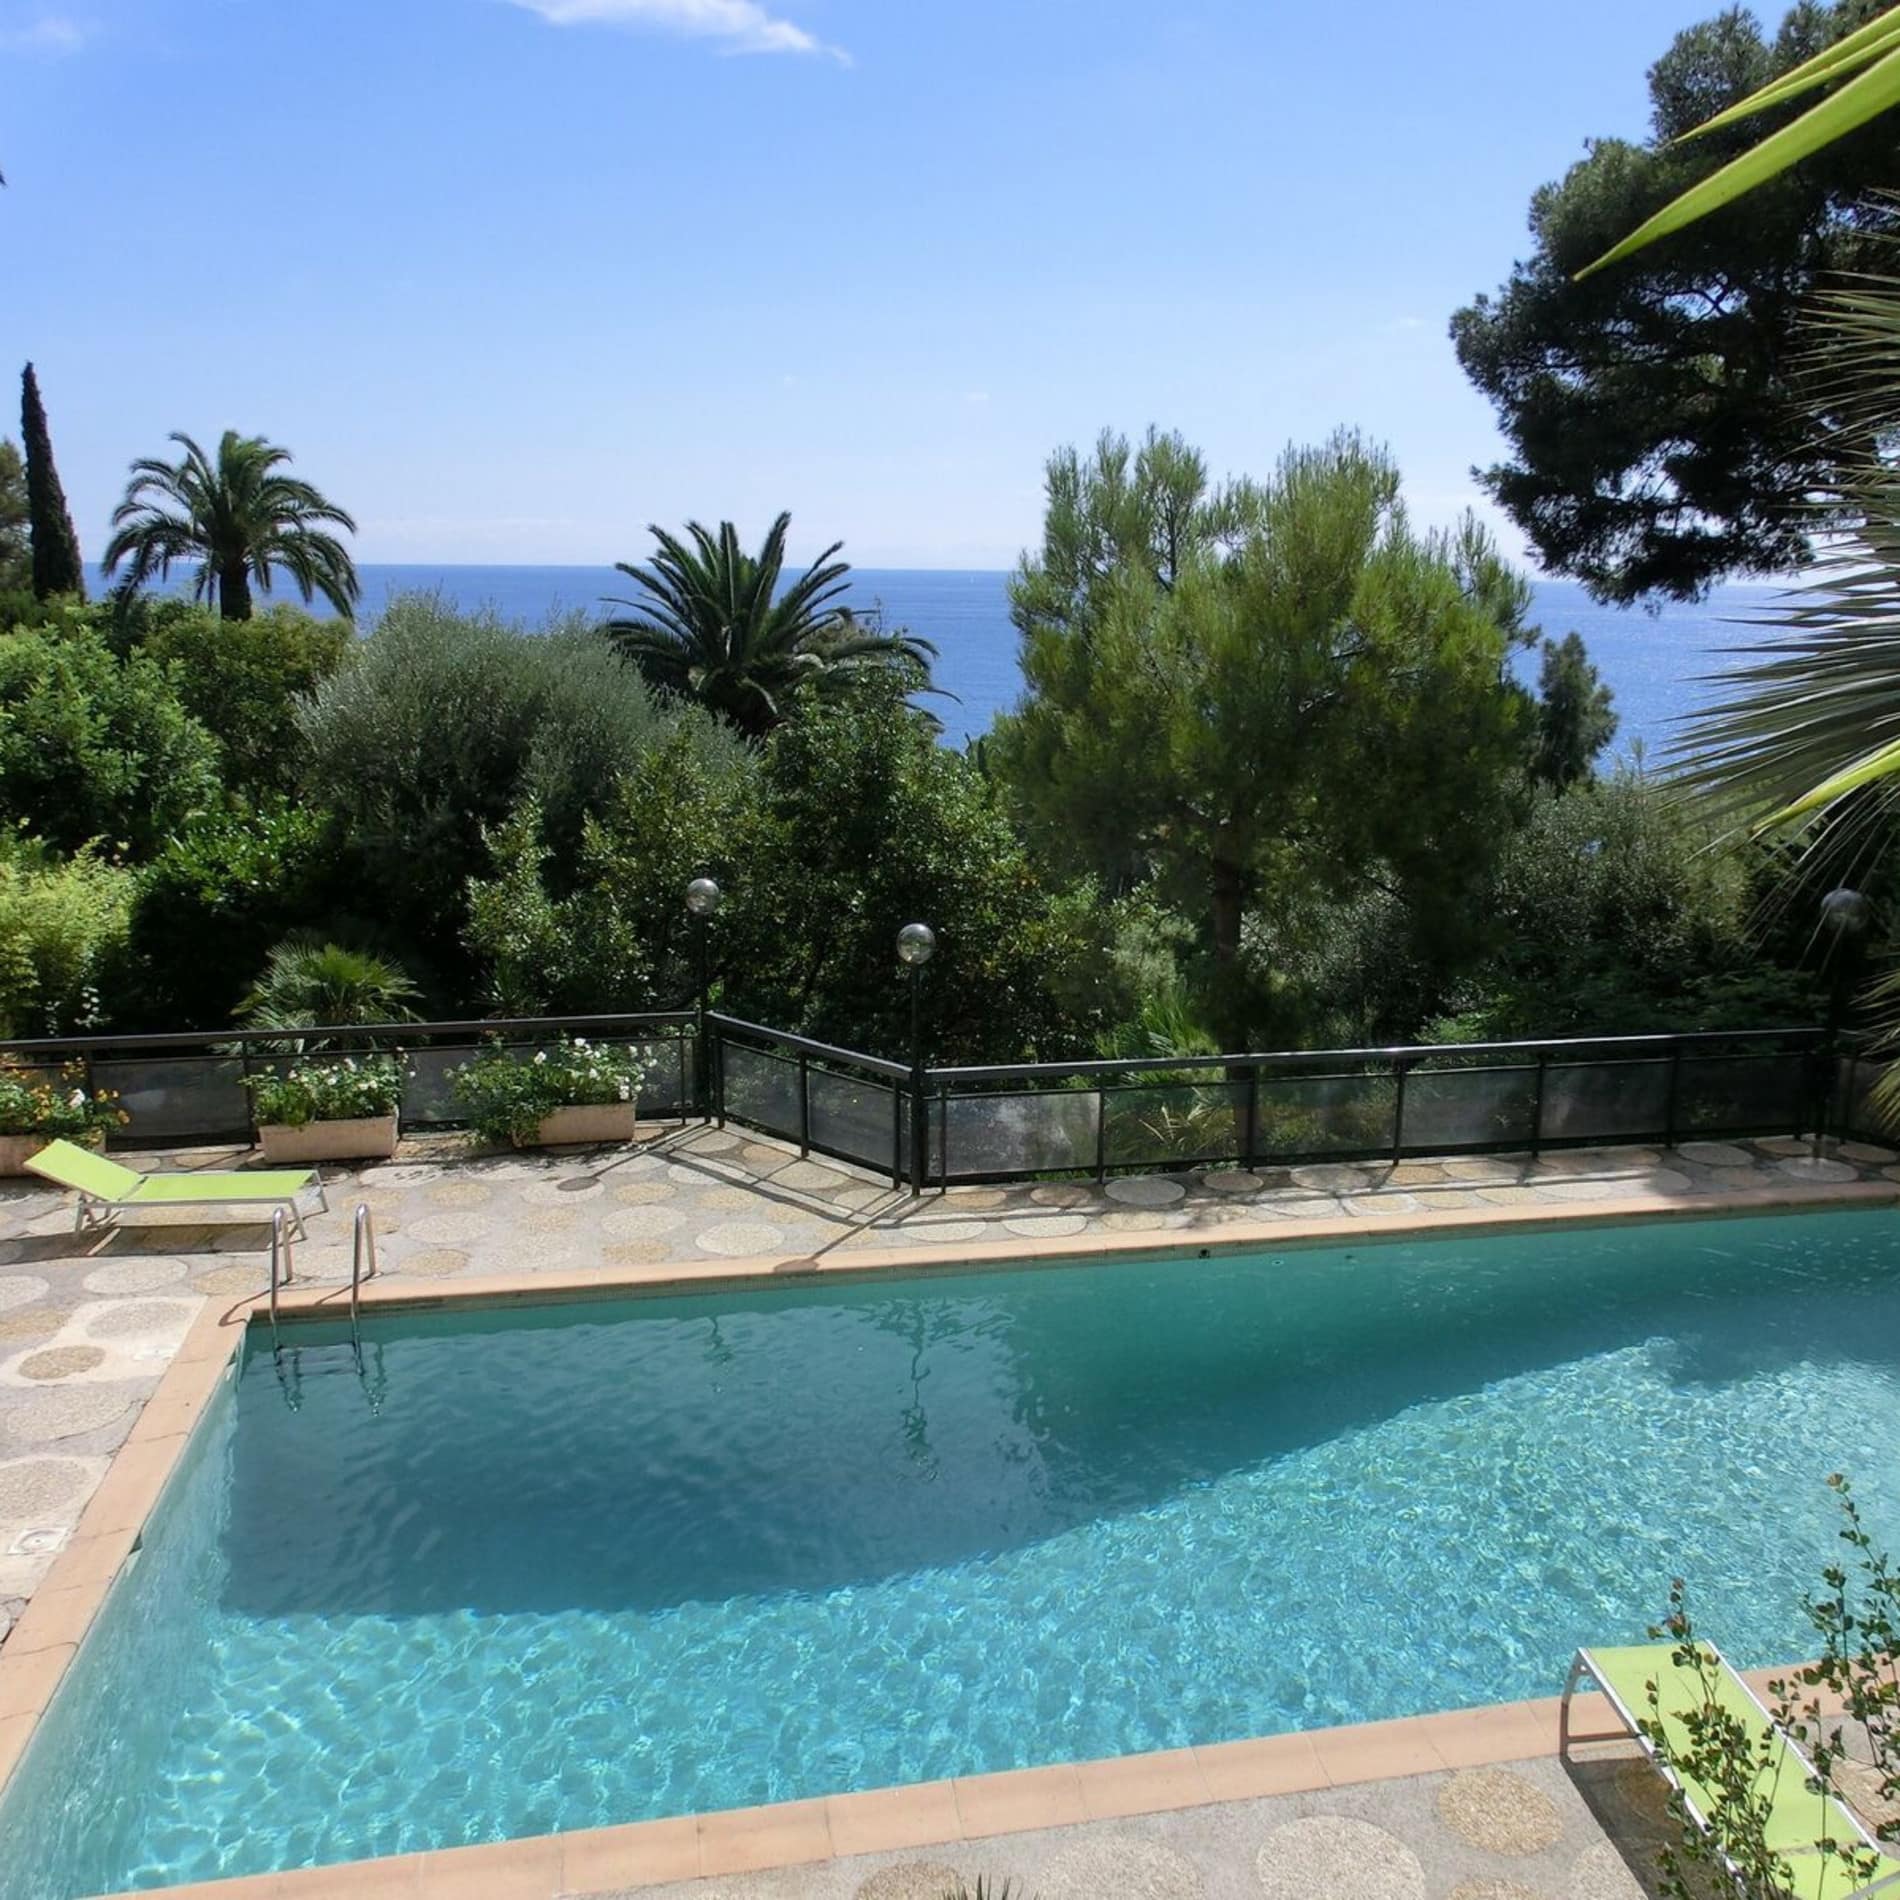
[459,1194]
[20,1289]
[1328,1857]
[135,1276]
[136,1317]
[61,1362]
[40,1487]
[437,1264]
[642,1193]
[452,1230]
[1491,1890]
[737,1238]
[232,1280]
[1130,1868]
[1806,1168]
[1499,1811]
[44,1416]
[1145,1190]
[1602,1874]
[642,1223]
[911,1880]
[1046,1226]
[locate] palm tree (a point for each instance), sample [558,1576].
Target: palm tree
[239,519]
[712,626]
[309,983]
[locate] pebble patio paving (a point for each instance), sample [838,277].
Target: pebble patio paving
[90,1322]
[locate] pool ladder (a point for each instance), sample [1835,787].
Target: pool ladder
[283,1260]
[362,1249]
[282,1263]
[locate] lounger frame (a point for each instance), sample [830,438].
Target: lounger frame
[99,1211]
[1583,1668]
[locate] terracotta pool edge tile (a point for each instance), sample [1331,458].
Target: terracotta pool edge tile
[639,1854]
[1378,1751]
[1255,1769]
[526,1869]
[886,1820]
[1019,1800]
[1158,1783]
[752,1840]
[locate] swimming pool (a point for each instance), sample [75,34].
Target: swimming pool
[532,1570]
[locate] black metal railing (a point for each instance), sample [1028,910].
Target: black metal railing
[185,1086]
[938,1127]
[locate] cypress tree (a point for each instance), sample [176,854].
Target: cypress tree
[56,566]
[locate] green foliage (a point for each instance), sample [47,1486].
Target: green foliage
[1574,717]
[310,984]
[16,540]
[506,1096]
[985,1889]
[57,570]
[63,932]
[219,894]
[352,1089]
[31,1103]
[443,724]
[1656,414]
[246,681]
[714,626]
[1857,1676]
[239,519]
[1246,696]
[93,745]
[1615,911]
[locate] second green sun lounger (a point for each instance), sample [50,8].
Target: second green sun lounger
[107,1189]
[1798,1818]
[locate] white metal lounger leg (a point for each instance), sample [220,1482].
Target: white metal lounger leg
[1578,1670]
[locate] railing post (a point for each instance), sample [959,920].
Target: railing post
[804,1105]
[1672,1094]
[1401,1069]
[1101,1133]
[1250,1143]
[943,1135]
[1537,1102]
[687,1105]
[897,1136]
[717,1053]
[919,1130]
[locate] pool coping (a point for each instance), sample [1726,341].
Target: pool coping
[47,1637]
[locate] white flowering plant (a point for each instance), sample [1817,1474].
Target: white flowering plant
[506,1096]
[357,1088]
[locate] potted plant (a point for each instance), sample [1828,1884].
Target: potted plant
[35,1109]
[335,1110]
[573,1093]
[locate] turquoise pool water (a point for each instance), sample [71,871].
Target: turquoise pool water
[589,1564]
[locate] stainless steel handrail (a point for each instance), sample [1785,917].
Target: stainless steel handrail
[282,1254]
[362,1246]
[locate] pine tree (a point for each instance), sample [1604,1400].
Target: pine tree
[56,566]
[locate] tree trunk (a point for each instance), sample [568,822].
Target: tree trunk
[234,591]
[1227,896]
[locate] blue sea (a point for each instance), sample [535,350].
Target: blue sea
[1655,663]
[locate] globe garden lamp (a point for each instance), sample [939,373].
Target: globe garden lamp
[916,945]
[703,898]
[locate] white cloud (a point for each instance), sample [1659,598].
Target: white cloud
[741,26]
[51,34]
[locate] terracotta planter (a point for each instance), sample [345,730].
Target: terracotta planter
[17,1150]
[609,1124]
[366,1137]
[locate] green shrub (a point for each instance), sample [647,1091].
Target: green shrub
[245,681]
[444,723]
[93,746]
[217,898]
[507,1096]
[349,1090]
[31,1104]
[63,933]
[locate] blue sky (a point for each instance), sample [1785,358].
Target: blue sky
[514,277]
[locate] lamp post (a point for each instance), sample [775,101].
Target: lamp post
[702,900]
[1844,916]
[916,945]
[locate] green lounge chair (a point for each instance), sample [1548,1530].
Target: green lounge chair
[1799,1816]
[107,1189]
